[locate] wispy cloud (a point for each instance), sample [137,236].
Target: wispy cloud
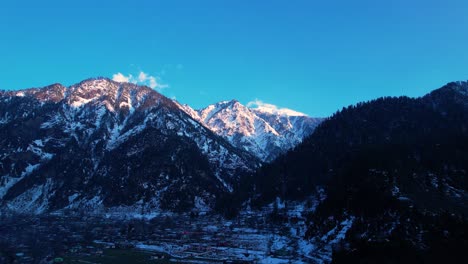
[142,78]
[272,109]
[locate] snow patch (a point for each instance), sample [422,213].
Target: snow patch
[34,200]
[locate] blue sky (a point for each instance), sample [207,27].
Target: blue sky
[311,56]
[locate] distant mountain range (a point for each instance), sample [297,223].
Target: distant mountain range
[101,144]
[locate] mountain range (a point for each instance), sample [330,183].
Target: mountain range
[101,144]
[383,181]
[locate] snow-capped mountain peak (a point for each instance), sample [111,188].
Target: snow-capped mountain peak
[263,130]
[91,90]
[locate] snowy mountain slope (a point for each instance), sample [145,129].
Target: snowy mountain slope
[260,131]
[102,144]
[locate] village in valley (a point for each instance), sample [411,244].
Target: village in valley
[196,237]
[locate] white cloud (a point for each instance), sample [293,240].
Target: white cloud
[119,77]
[142,79]
[272,109]
[152,82]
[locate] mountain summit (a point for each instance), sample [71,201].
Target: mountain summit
[262,131]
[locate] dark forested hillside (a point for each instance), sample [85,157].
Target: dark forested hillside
[407,143]
[397,166]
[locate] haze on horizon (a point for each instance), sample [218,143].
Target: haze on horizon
[310,56]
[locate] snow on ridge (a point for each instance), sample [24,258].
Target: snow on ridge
[262,130]
[282,111]
[33,200]
[272,109]
[80,101]
[9,181]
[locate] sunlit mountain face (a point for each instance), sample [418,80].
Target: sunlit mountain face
[262,131]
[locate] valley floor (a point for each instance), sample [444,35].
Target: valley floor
[250,238]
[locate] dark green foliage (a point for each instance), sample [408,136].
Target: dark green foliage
[430,239]
[365,150]
[398,165]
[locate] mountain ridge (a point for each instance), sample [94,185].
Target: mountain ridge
[266,134]
[66,148]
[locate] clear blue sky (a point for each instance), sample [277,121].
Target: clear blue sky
[311,56]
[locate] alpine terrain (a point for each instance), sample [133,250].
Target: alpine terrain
[118,168]
[101,145]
